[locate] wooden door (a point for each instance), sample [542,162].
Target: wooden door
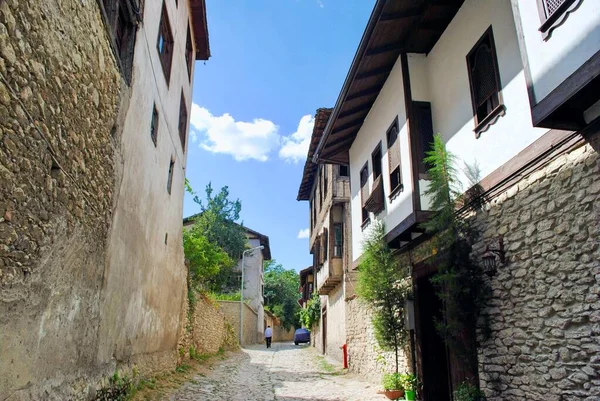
[324,330]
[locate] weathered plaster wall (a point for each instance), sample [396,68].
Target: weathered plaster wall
[59,93]
[545,311]
[336,322]
[364,355]
[206,330]
[231,311]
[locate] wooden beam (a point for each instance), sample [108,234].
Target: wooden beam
[346,126]
[415,12]
[367,92]
[374,72]
[392,47]
[354,110]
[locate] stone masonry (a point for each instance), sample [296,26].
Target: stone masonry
[545,307]
[59,94]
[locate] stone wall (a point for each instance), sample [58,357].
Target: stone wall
[59,94]
[206,330]
[545,310]
[231,311]
[364,355]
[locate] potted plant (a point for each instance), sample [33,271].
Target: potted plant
[392,386]
[409,383]
[468,392]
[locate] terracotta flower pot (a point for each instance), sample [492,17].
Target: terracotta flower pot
[392,394]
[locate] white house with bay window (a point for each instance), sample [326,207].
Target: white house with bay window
[505,83]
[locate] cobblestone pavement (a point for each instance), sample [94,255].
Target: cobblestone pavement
[283,373]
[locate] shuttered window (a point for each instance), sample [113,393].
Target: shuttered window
[338,244]
[325,244]
[183,120]
[550,14]
[484,78]
[122,27]
[393,145]
[364,191]
[189,52]
[170,176]
[164,43]
[424,127]
[154,126]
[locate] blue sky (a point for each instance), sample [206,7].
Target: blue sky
[274,62]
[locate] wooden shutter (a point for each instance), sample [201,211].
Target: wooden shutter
[424,128]
[364,179]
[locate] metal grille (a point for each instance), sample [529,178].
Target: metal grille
[552,6]
[483,73]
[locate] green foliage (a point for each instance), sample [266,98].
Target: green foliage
[215,242]
[120,388]
[385,286]
[281,293]
[230,296]
[460,280]
[392,381]
[310,315]
[409,382]
[468,392]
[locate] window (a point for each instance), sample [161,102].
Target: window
[189,52]
[314,210]
[183,120]
[343,171]
[424,130]
[393,145]
[337,240]
[550,14]
[325,182]
[170,178]
[364,192]
[165,43]
[320,189]
[154,125]
[122,28]
[485,82]
[324,245]
[376,162]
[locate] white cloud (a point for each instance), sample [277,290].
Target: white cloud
[295,147]
[240,139]
[304,233]
[194,136]
[320,3]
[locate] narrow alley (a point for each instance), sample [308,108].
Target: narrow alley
[283,373]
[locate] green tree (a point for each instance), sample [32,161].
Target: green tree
[281,293]
[215,242]
[460,280]
[385,286]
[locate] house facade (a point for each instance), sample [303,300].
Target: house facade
[327,189]
[513,88]
[96,97]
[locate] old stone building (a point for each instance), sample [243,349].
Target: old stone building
[512,86]
[94,105]
[327,188]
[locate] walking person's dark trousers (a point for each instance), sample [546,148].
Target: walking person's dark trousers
[268,342]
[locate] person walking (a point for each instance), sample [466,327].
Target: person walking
[268,335]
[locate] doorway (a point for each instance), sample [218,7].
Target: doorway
[433,366]
[324,330]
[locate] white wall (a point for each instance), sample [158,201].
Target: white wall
[569,46]
[389,104]
[145,212]
[442,78]
[323,272]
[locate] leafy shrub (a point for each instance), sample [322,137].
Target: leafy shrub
[392,381]
[468,392]
[310,315]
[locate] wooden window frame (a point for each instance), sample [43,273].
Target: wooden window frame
[170,176]
[554,20]
[165,31]
[376,157]
[421,145]
[189,52]
[483,124]
[121,18]
[365,216]
[154,123]
[325,181]
[325,239]
[183,121]
[399,187]
[338,246]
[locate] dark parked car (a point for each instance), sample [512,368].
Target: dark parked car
[301,336]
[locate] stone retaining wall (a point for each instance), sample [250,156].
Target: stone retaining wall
[206,330]
[231,311]
[545,311]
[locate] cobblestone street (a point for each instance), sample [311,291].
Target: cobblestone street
[283,373]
